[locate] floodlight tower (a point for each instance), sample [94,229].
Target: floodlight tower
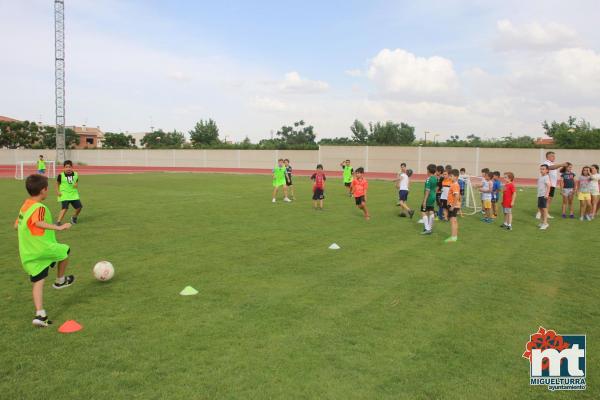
[59,77]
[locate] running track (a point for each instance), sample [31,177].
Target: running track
[8,171]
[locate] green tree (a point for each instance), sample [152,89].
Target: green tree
[47,138]
[204,133]
[163,140]
[118,141]
[18,134]
[299,134]
[573,134]
[391,133]
[360,134]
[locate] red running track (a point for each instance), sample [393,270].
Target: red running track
[8,171]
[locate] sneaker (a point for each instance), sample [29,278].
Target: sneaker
[588,217]
[69,279]
[274,201]
[426,232]
[42,322]
[544,227]
[402,215]
[287,200]
[73,220]
[550,216]
[503,225]
[538,215]
[572,216]
[581,218]
[411,213]
[509,227]
[564,215]
[451,239]
[421,221]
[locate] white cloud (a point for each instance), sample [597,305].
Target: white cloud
[354,72]
[398,71]
[268,104]
[294,83]
[534,36]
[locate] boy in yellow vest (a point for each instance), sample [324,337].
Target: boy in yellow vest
[41,165]
[67,183]
[38,248]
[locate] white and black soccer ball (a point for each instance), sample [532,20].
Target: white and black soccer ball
[104,270]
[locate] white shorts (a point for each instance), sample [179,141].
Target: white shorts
[567,192]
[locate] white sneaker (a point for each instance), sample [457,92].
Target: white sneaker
[588,217]
[544,227]
[287,200]
[550,216]
[538,215]
[274,200]
[421,221]
[581,218]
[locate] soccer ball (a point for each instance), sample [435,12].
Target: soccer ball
[104,270]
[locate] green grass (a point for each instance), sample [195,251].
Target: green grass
[390,315]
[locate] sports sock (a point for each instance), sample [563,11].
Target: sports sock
[40,313]
[431,219]
[60,280]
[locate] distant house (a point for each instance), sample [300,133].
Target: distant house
[89,138]
[7,119]
[544,142]
[137,137]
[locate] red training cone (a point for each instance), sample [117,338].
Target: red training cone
[70,326]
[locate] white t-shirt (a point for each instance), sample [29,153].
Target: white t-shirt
[594,186]
[541,185]
[486,185]
[553,173]
[403,181]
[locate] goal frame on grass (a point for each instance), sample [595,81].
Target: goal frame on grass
[25,168]
[472,203]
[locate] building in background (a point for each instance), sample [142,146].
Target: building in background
[7,119]
[89,138]
[137,137]
[544,141]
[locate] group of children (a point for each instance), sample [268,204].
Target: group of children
[38,248]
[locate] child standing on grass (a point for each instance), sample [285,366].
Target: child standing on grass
[508,200]
[318,188]
[584,189]
[454,204]
[486,197]
[403,184]
[496,186]
[279,181]
[446,183]
[439,171]
[567,186]
[38,248]
[67,188]
[484,172]
[543,192]
[429,200]
[359,188]
[41,165]
[347,175]
[462,181]
[595,189]
[288,178]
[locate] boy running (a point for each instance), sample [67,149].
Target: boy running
[429,200]
[41,165]
[358,188]
[348,173]
[67,183]
[454,204]
[288,178]
[279,181]
[38,248]
[318,188]
[508,200]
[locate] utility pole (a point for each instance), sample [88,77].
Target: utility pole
[59,77]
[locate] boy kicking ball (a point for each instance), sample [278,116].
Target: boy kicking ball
[359,190]
[67,184]
[38,248]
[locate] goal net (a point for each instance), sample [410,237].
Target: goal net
[471,199]
[25,168]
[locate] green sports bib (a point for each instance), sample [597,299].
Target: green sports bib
[67,188]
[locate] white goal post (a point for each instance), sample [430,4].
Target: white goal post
[25,168]
[472,202]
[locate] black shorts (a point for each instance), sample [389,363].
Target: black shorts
[453,212]
[359,200]
[552,189]
[288,182]
[443,203]
[427,208]
[403,195]
[318,194]
[347,184]
[44,273]
[75,203]
[542,202]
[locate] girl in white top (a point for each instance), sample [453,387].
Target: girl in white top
[595,189]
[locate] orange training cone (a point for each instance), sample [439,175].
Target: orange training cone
[70,326]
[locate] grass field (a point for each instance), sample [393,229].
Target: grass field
[392,314]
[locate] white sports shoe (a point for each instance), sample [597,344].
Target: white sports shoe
[274,200]
[287,200]
[538,215]
[550,216]
[421,221]
[544,227]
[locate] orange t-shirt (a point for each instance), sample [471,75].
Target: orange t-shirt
[359,187]
[454,195]
[35,217]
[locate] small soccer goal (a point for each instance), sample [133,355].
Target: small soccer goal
[472,203]
[25,168]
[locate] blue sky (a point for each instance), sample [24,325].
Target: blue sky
[450,67]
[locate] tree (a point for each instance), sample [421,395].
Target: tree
[360,134]
[572,134]
[391,133]
[337,141]
[165,140]
[47,138]
[18,134]
[118,141]
[299,134]
[204,133]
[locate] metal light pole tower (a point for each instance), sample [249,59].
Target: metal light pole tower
[59,77]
